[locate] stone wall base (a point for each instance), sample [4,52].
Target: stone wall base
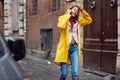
[41,54]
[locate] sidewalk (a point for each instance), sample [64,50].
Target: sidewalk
[39,69]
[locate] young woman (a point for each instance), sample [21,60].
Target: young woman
[68,50]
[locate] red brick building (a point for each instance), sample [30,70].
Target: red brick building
[1,16]
[42,28]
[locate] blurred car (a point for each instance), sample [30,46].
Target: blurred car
[11,51]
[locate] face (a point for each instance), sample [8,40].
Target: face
[74,11]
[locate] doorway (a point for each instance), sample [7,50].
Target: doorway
[100,37]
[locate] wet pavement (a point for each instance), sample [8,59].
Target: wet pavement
[39,69]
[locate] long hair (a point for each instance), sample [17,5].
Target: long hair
[76,17]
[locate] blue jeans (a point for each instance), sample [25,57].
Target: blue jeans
[73,56]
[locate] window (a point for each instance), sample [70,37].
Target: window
[55,5]
[34,7]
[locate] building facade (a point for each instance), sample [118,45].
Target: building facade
[41,23]
[1,16]
[42,31]
[13,18]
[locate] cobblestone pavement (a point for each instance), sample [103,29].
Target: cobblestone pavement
[40,69]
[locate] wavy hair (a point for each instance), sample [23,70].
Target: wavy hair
[76,17]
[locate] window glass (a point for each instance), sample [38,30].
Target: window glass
[58,5]
[55,5]
[34,7]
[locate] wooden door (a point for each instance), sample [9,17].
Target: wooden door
[100,37]
[109,36]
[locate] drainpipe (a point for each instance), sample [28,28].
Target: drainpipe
[25,21]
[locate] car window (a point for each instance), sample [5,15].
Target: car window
[2,52]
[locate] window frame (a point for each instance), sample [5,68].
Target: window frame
[55,5]
[34,7]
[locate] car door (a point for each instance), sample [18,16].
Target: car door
[9,70]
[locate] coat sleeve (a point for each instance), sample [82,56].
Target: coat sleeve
[63,20]
[85,20]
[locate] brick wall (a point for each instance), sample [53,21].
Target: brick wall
[44,19]
[1,17]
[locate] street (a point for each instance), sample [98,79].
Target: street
[39,69]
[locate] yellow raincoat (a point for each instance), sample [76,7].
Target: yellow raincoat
[63,45]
